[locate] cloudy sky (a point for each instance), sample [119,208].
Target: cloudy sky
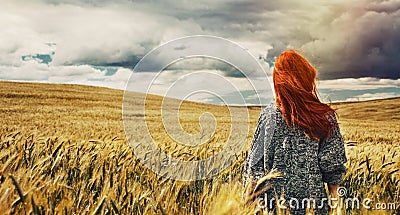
[354,44]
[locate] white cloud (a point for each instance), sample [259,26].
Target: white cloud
[93,35]
[366,83]
[75,74]
[201,85]
[117,81]
[372,96]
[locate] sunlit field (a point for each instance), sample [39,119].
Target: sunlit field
[63,150]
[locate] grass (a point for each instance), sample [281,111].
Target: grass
[63,150]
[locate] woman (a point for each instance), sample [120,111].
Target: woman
[299,137]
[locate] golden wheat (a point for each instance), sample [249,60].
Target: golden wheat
[63,150]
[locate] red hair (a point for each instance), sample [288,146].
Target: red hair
[296,95]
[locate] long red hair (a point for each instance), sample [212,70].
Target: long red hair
[296,95]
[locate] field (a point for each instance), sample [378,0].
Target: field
[63,150]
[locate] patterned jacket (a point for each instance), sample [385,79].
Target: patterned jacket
[305,164]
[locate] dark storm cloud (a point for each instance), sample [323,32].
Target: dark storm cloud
[371,47]
[384,6]
[204,63]
[129,63]
[341,38]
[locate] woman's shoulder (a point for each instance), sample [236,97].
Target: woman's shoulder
[271,111]
[269,108]
[269,114]
[332,118]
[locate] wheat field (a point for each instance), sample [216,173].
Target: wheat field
[63,150]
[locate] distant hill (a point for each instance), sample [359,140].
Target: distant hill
[382,109]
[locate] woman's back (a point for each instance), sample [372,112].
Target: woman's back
[304,162]
[298,136]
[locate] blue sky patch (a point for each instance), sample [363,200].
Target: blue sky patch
[41,58]
[110,71]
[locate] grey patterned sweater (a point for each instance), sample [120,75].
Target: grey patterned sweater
[306,164]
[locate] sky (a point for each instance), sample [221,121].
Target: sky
[354,44]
